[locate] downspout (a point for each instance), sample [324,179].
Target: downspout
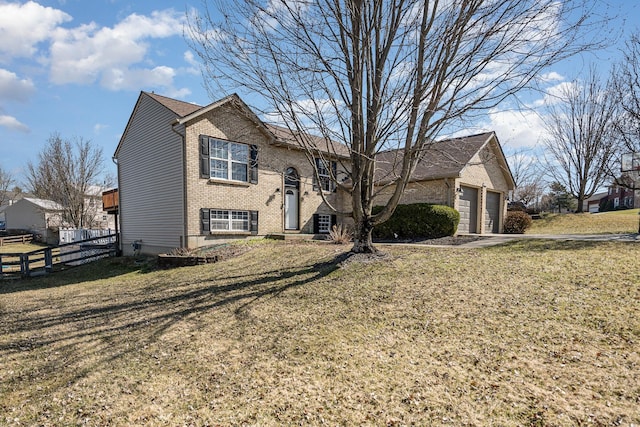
[114,159]
[185,231]
[446,182]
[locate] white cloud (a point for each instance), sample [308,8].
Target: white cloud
[12,123]
[98,128]
[118,78]
[23,26]
[517,128]
[551,77]
[13,88]
[87,53]
[554,94]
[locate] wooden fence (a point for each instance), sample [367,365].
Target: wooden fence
[23,238]
[43,261]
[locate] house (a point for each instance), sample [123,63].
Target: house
[192,176]
[469,174]
[619,197]
[38,216]
[8,198]
[592,204]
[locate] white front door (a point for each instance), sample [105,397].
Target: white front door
[291,209]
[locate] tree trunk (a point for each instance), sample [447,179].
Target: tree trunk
[362,240]
[580,209]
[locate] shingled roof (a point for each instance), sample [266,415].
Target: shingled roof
[281,135]
[181,108]
[285,136]
[442,159]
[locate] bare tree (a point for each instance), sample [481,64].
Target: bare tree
[627,86]
[6,181]
[582,141]
[626,81]
[68,172]
[527,175]
[393,74]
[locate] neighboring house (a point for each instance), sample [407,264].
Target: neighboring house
[469,173]
[592,204]
[619,197]
[99,219]
[42,217]
[9,198]
[191,176]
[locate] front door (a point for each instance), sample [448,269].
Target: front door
[291,209]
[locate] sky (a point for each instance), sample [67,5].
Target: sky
[76,67]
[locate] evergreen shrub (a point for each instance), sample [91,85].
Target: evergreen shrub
[418,220]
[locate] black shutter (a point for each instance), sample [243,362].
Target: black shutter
[334,221]
[334,170]
[205,220]
[205,164]
[253,222]
[253,165]
[316,223]
[316,187]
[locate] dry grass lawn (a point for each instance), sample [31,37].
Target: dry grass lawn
[624,221]
[527,334]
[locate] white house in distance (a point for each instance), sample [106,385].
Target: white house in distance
[45,217]
[37,216]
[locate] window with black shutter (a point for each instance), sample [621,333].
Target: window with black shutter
[229,161]
[226,220]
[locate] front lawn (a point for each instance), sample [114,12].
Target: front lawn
[616,222]
[530,333]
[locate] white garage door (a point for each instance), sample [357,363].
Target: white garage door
[468,208]
[492,213]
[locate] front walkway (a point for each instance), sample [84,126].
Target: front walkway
[497,239]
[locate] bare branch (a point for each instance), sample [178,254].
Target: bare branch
[583,143]
[383,75]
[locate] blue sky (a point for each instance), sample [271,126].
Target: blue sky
[76,67]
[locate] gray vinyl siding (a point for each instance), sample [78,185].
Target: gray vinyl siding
[150,163]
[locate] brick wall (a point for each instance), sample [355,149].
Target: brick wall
[266,197]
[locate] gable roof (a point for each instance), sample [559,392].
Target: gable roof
[47,205]
[180,108]
[443,159]
[185,112]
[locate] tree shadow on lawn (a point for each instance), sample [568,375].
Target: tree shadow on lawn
[104,332]
[68,275]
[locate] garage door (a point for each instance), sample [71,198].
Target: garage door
[468,208]
[492,213]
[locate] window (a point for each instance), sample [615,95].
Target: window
[225,220]
[229,220]
[325,175]
[324,223]
[226,160]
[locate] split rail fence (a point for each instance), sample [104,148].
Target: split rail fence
[46,260]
